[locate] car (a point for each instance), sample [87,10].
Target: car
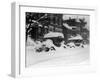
[71,44]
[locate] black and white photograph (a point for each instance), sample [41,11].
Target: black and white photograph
[56,39]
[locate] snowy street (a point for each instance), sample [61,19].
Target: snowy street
[67,57]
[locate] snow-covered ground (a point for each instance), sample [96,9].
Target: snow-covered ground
[59,57]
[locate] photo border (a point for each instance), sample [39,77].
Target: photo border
[17,68]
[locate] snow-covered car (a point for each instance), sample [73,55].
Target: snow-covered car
[56,37]
[71,45]
[63,45]
[46,46]
[79,43]
[76,41]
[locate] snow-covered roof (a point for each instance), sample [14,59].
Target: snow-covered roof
[69,27]
[53,34]
[76,37]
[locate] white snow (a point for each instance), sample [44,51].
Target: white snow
[48,43]
[53,34]
[76,37]
[69,27]
[66,25]
[30,42]
[71,44]
[60,56]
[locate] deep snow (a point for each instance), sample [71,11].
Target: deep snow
[59,57]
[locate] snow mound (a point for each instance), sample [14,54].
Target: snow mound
[69,27]
[48,43]
[53,34]
[76,38]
